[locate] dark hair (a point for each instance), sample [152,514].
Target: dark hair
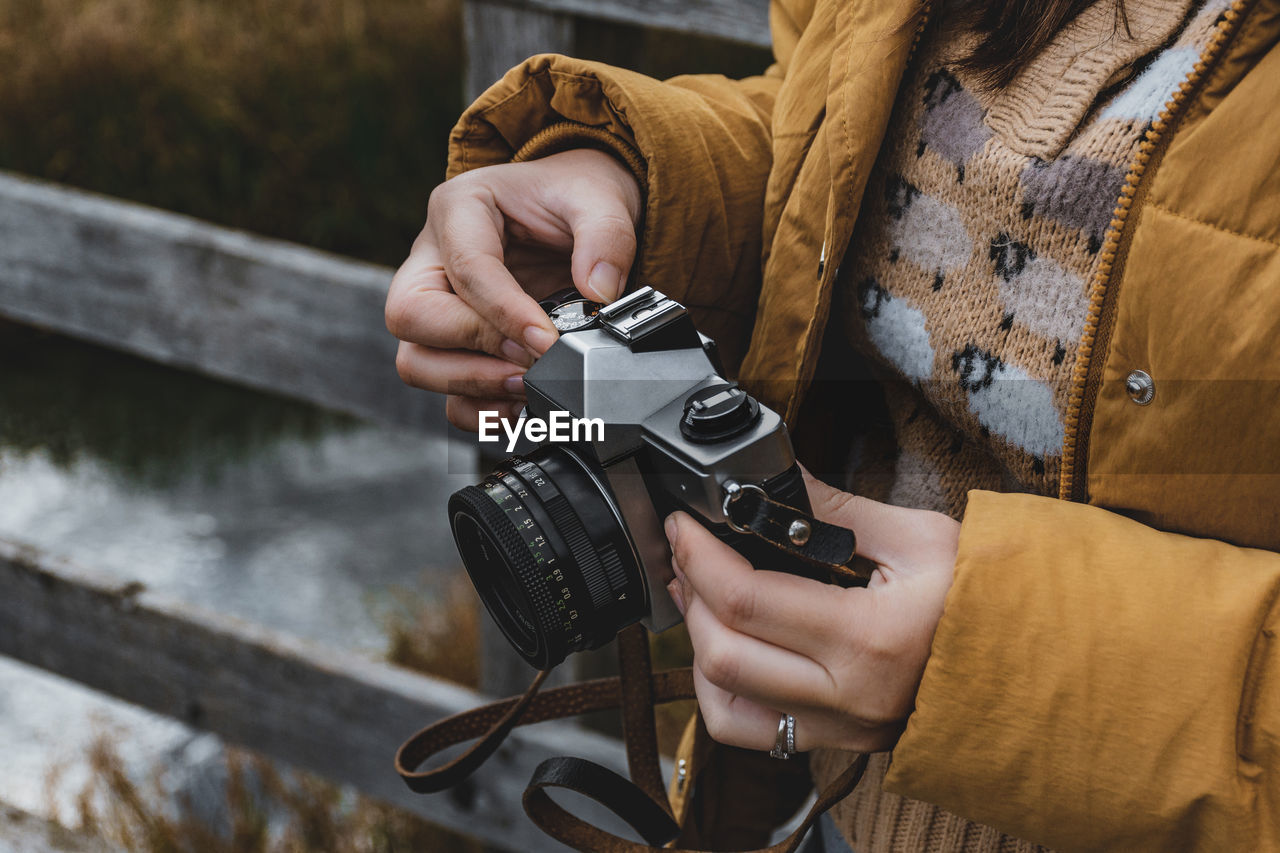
[1012,32]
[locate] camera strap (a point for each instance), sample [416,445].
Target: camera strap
[641,801]
[796,532]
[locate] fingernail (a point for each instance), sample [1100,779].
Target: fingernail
[514,384]
[677,595]
[538,339]
[513,352]
[514,410]
[672,529]
[606,281]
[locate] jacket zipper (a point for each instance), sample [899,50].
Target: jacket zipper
[926,8]
[1103,301]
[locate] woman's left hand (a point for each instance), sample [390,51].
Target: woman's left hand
[846,663]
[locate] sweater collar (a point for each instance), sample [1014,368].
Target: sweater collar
[1039,111]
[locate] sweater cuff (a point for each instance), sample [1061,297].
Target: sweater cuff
[569,135]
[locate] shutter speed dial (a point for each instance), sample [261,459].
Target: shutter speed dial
[574,315]
[718,412]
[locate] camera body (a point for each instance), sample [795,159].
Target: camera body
[675,435]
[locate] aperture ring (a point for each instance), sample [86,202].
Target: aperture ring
[566,521]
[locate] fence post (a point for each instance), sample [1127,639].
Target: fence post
[499,36]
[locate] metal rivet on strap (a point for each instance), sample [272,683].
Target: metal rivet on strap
[1141,388]
[799,531]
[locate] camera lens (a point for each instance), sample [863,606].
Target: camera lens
[548,553]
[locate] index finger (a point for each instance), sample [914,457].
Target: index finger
[469,239]
[785,610]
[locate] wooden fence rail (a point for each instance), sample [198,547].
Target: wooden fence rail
[743,21]
[259,312]
[501,33]
[338,715]
[303,324]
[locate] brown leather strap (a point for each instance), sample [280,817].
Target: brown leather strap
[493,722]
[499,718]
[638,728]
[642,801]
[795,531]
[582,836]
[647,816]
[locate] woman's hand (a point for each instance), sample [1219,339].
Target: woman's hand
[464,304]
[846,663]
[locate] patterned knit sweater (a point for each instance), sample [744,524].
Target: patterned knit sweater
[967,282]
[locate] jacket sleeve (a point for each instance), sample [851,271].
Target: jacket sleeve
[701,146]
[1098,684]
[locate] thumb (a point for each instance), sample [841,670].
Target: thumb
[880,527]
[831,504]
[604,245]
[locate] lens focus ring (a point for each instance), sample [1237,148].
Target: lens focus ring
[516,552]
[549,554]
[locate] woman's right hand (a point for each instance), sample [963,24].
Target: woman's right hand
[497,239]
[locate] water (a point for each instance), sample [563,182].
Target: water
[312,536]
[241,503]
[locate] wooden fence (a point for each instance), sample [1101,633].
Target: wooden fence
[306,325]
[499,33]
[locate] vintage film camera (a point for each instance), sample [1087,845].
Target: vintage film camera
[565,544]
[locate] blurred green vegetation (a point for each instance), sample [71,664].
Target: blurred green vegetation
[319,121]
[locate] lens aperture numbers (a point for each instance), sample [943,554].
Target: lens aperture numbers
[536,491]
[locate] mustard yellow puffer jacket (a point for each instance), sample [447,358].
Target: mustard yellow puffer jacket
[1106,674]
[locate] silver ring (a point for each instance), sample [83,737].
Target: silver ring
[732,493]
[784,745]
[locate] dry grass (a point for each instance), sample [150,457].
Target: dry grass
[322,121]
[266,811]
[319,121]
[441,638]
[270,811]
